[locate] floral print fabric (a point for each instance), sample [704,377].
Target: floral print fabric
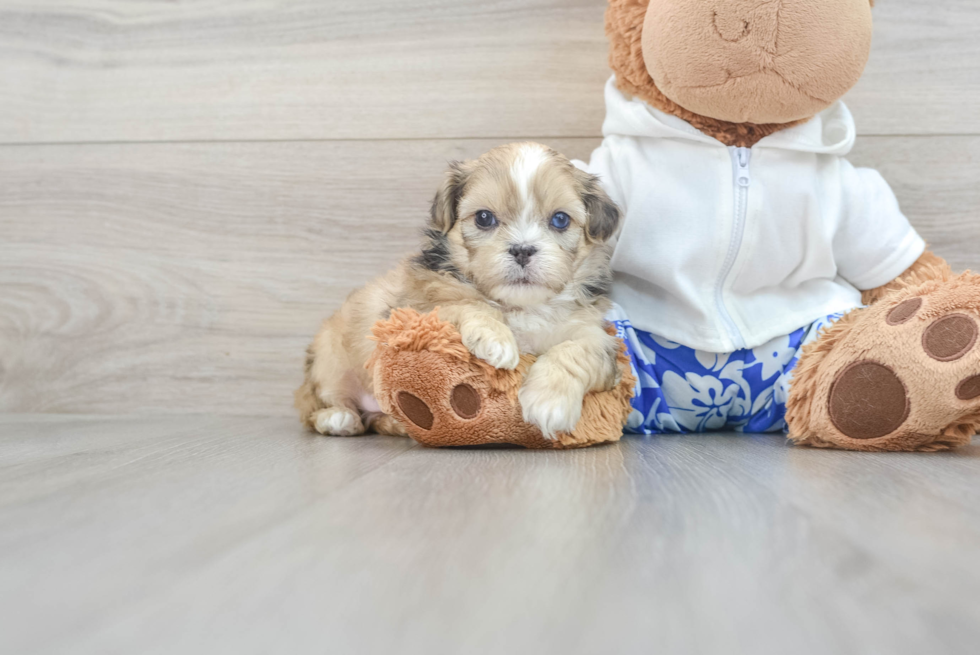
[683,390]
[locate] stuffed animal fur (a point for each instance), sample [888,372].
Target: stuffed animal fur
[901,375]
[444,396]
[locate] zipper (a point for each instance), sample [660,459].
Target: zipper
[742,180]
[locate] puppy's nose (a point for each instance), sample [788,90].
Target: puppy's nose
[522,254]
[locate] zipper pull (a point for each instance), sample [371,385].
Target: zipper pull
[742,158]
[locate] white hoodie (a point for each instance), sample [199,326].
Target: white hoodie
[726,248]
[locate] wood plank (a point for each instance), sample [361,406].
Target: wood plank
[190,278]
[924,72]
[115,70]
[935,179]
[128,484]
[255,537]
[112,70]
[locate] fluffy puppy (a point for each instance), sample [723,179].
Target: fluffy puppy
[516,257]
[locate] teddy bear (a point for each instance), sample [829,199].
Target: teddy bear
[753,255]
[762,282]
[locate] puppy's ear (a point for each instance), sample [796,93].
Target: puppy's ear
[603,214]
[445,207]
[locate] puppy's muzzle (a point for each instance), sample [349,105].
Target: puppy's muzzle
[523,254]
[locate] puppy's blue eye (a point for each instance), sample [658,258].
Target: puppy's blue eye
[561,221]
[485,219]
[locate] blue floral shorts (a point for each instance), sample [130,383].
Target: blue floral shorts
[679,389]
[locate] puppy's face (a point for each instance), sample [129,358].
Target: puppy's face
[523,225]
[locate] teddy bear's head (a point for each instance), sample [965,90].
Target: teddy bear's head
[739,69]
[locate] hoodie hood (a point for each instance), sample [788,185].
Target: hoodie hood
[831,132]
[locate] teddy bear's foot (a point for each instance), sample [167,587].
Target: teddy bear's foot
[431,386]
[901,375]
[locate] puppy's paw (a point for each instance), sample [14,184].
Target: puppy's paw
[494,343]
[338,422]
[550,403]
[387,425]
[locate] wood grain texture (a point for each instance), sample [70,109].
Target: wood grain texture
[190,278]
[160,277]
[117,70]
[254,537]
[114,70]
[937,181]
[924,73]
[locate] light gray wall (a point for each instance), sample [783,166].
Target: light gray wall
[187,189]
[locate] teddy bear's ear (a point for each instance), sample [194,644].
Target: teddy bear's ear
[603,214]
[445,207]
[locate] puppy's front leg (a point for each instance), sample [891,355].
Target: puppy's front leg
[484,333]
[556,385]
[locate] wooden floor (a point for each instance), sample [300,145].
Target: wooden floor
[246,535]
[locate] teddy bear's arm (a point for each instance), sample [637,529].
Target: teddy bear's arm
[928,267]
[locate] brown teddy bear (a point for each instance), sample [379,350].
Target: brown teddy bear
[758,273]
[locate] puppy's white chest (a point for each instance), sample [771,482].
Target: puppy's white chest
[535,334]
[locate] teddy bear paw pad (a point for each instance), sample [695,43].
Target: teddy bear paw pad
[901,375]
[950,338]
[969,389]
[465,401]
[415,410]
[868,401]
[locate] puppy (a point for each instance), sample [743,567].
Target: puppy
[516,257]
